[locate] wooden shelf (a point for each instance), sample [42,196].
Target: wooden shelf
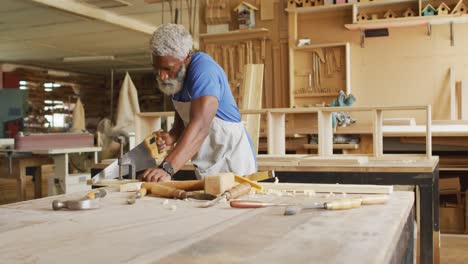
[408,22]
[318,46]
[238,34]
[348,6]
[310,95]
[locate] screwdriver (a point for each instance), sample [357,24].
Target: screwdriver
[339,204]
[234,192]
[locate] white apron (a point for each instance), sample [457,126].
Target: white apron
[225,149]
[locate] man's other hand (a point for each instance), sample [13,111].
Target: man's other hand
[164,141]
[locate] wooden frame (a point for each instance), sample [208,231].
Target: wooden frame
[149,122]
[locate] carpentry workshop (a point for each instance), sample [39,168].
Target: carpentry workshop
[158,131]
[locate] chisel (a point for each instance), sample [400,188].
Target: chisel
[234,192]
[339,204]
[255,204]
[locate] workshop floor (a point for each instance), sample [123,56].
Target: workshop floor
[453,247]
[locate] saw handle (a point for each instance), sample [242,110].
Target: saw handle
[237,191]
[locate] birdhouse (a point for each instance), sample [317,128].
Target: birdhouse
[443,9]
[429,10]
[362,17]
[296,3]
[245,15]
[390,14]
[409,13]
[460,9]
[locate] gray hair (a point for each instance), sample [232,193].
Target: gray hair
[171,40]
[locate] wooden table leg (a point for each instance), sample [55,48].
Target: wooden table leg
[21,186]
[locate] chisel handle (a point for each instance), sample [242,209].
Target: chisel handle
[343,204]
[374,199]
[141,193]
[237,191]
[167,192]
[247,204]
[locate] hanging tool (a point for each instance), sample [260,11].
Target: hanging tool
[256,204]
[137,195]
[234,192]
[90,201]
[171,192]
[138,159]
[339,204]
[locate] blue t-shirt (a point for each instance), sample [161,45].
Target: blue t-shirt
[205,77]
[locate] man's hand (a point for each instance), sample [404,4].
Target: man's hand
[155,174]
[164,141]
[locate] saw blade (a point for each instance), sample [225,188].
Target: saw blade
[140,155]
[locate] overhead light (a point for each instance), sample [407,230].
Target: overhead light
[56,85]
[22,87]
[23,82]
[88,58]
[48,89]
[48,85]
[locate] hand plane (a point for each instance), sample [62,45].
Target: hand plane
[138,159]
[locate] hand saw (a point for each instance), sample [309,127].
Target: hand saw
[142,157]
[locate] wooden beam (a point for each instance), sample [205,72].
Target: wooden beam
[276,133]
[98,14]
[453,100]
[378,134]
[325,134]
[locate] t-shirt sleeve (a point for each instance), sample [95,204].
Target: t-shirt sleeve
[205,84]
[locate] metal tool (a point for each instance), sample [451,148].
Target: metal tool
[341,204]
[234,192]
[171,192]
[137,195]
[138,159]
[256,204]
[90,201]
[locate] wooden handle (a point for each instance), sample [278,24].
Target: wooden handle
[375,199]
[168,192]
[237,191]
[193,185]
[150,143]
[141,192]
[343,204]
[246,204]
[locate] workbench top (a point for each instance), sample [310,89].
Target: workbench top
[176,231]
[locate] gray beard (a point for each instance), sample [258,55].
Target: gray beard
[171,87]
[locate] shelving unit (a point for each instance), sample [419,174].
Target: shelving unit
[318,73]
[384,23]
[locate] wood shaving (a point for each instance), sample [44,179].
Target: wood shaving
[165,202]
[309,192]
[276,180]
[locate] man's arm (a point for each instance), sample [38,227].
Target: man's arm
[202,112]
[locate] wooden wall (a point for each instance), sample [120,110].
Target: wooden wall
[407,68]
[276,80]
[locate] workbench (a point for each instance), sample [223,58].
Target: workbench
[21,160]
[177,231]
[391,170]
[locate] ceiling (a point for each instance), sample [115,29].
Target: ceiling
[43,32]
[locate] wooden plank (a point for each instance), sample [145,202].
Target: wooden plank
[335,146]
[464,100]
[404,121]
[335,160]
[453,99]
[252,99]
[429,132]
[267,9]
[325,134]
[377,134]
[276,134]
[99,14]
[327,188]
[458,97]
